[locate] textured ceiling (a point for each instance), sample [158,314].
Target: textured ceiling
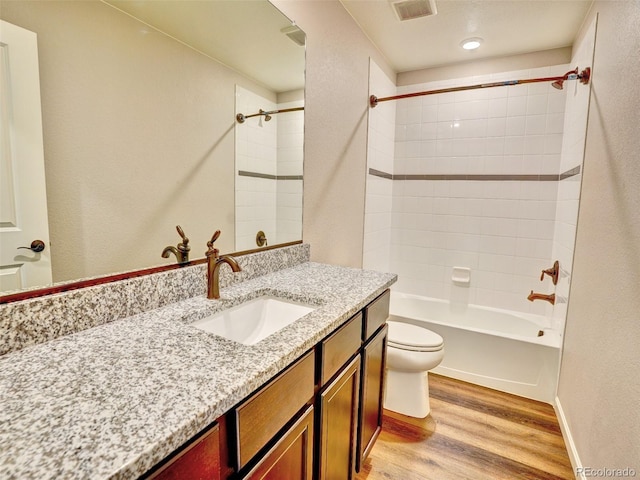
[508,27]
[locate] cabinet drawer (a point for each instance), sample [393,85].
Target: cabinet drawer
[199,459]
[376,314]
[262,415]
[339,347]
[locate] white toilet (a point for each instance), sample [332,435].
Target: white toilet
[411,352]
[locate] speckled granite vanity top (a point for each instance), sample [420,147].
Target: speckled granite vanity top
[112,401]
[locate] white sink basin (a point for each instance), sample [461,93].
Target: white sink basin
[254,320]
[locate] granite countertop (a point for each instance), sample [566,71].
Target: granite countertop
[112,401]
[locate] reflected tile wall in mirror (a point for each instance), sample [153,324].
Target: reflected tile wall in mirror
[269,161]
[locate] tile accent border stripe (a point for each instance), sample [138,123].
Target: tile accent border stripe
[379,173]
[478,177]
[571,173]
[244,173]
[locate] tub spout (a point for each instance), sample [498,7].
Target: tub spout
[541,296]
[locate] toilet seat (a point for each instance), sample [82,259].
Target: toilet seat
[406,336]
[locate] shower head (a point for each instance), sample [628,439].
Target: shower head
[584,76]
[559,84]
[266,115]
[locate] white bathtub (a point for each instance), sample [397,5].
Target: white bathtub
[509,351]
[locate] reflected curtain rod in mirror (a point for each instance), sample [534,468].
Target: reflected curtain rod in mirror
[126,159]
[240,118]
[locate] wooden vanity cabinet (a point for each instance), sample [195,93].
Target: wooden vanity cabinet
[318,419]
[338,400]
[374,354]
[349,408]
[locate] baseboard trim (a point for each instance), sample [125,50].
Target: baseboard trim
[568,440]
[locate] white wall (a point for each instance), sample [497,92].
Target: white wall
[599,384]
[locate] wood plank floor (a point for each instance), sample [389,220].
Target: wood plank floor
[472,433]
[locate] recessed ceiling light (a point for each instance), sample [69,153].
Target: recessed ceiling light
[471,43]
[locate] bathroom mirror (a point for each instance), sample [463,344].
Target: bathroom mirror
[139,123]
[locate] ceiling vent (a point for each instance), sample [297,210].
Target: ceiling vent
[410,9]
[295,34]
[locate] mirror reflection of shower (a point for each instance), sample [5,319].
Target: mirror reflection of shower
[269,153]
[241,118]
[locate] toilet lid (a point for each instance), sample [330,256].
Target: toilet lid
[411,337]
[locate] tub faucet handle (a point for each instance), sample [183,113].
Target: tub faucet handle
[553,272]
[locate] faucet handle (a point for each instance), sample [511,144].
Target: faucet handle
[553,272]
[185,239]
[215,236]
[184,246]
[212,250]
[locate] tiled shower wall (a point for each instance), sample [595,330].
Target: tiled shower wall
[268,172]
[289,183]
[475,182]
[380,153]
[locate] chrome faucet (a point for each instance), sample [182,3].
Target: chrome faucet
[213,267]
[182,252]
[541,296]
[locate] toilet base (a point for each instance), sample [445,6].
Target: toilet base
[407,393]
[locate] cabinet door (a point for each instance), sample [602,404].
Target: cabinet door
[199,460]
[338,422]
[291,458]
[373,374]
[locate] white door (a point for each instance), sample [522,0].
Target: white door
[23,200]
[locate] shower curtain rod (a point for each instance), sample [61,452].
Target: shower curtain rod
[558,82]
[267,115]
